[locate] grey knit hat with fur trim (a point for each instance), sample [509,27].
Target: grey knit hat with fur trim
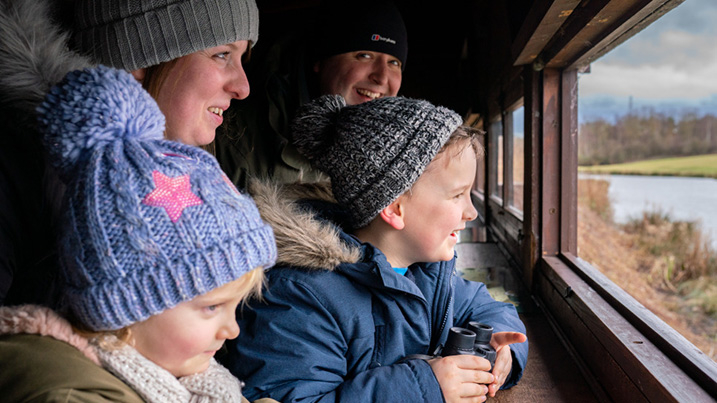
[373,152]
[133,34]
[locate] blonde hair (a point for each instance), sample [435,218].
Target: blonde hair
[251,288]
[466,134]
[461,138]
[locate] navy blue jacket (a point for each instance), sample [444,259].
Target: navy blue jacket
[337,329]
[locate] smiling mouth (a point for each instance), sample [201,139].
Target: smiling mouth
[369,94]
[216,111]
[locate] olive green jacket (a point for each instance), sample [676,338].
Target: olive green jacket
[43,369]
[44,360]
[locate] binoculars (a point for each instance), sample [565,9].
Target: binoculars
[473,340]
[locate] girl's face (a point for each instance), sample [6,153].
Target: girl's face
[183,339]
[438,207]
[199,88]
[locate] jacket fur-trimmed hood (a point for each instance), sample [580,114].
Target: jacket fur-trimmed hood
[39,320]
[302,239]
[34,55]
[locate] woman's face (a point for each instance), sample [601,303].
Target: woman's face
[199,88]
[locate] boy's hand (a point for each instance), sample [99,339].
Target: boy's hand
[463,378]
[501,341]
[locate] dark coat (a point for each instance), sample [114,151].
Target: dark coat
[255,141]
[33,57]
[336,319]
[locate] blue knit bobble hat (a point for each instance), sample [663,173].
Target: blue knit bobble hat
[150,223]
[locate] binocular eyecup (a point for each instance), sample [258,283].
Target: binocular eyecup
[473,340]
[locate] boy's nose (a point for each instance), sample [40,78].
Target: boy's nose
[471,213]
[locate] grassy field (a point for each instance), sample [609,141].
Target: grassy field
[699,166]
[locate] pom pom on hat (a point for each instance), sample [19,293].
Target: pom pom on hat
[93,106]
[318,117]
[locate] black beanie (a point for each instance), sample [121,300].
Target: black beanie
[347,26]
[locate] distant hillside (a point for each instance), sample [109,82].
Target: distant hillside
[636,137]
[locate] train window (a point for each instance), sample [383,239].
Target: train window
[638,229]
[495,159]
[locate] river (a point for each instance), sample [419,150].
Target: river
[693,199]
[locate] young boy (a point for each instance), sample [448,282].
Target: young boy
[352,297]
[158,251]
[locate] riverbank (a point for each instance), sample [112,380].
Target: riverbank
[704,166]
[665,265]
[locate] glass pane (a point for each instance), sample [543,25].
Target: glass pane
[518,159]
[648,160]
[480,171]
[496,133]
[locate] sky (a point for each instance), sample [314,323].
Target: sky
[670,64]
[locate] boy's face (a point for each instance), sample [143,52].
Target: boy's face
[439,206]
[183,339]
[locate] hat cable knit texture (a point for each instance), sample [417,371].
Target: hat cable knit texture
[150,223]
[133,34]
[373,152]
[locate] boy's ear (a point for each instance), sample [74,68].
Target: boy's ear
[139,74]
[394,214]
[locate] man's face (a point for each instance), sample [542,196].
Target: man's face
[359,76]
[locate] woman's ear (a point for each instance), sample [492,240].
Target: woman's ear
[394,214]
[139,74]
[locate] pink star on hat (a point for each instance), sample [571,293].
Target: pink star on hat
[173,194]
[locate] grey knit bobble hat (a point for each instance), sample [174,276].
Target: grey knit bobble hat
[150,223]
[373,152]
[133,34]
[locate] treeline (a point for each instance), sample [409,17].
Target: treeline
[634,138]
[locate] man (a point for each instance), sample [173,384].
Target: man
[356,49]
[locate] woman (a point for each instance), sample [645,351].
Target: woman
[187,53]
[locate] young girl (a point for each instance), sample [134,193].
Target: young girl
[158,250]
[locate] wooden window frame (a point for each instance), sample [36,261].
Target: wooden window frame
[628,352]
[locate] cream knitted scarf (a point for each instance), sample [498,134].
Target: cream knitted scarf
[156,384]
